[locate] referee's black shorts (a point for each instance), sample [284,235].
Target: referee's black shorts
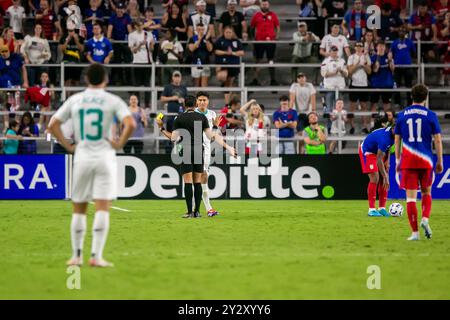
[194,165]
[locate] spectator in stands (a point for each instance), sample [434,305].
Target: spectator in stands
[11,145]
[174,95]
[396,5]
[133,10]
[231,118]
[171,53]
[12,69]
[153,26]
[99,48]
[46,87]
[256,124]
[334,72]
[354,23]
[444,50]
[359,68]
[250,7]
[382,76]
[235,19]
[176,21]
[70,13]
[141,44]
[338,120]
[267,28]
[308,8]
[440,8]
[16,14]
[422,23]
[402,50]
[201,47]
[334,8]
[118,29]
[2,14]
[201,17]
[390,24]
[211,7]
[369,43]
[302,52]
[141,123]
[93,14]
[285,120]
[181,4]
[314,136]
[228,51]
[35,50]
[28,129]
[9,40]
[334,39]
[49,21]
[71,45]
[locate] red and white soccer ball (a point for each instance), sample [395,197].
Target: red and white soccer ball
[396,209]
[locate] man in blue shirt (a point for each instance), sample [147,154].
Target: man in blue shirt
[12,69]
[374,157]
[119,26]
[382,75]
[99,49]
[390,23]
[91,15]
[402,50]
[354,23]
[285,120]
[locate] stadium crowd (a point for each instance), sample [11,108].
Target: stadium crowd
[127,32]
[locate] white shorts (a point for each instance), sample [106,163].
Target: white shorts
[206,159]
[94,180]
[198,73]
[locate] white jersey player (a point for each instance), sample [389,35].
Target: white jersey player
[93,112]
[202,107]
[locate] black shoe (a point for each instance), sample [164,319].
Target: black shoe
[197,215]
[352,130]
[188,215]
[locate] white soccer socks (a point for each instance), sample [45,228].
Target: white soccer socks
[99,234]
[77,232]
[205,197]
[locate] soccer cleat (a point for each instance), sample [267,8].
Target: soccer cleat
[212,213]
[100,263]
[426,228]
[414,237]
[77,261]
[188,215]
[384,212]
[374,213]
[197,215]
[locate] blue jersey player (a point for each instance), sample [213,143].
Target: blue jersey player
[416,127]
[374,156]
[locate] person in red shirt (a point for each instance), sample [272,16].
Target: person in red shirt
[267,28]
[397,5]
[4,5]
[230,116]
[440,8]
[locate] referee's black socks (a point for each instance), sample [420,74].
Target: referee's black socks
[188,193]
[197,196]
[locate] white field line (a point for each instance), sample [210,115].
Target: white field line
[116,208]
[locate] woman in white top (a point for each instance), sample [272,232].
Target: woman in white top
[36,50]
[256,126]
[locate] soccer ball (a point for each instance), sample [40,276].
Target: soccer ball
[396,209]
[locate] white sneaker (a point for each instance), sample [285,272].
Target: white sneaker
[100,263]
[77,261]
[426,228]
[414,237]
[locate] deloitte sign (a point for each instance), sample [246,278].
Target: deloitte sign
[289,177]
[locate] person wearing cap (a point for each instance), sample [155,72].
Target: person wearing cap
[267,28]
[200,16]
[228,51]
[334,72]
[302,97]
[314,136]
[359,68]
[354,23]
[334,39]
[390,23]
[141,44]
[303,52]
[422,24]
[235,19]
[382,76]
[119,27]
[201,47]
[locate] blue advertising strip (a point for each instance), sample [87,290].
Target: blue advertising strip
[441,182]
[33,177]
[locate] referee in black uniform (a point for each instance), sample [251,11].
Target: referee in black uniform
[185,127]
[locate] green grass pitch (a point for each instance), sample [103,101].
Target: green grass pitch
[254,250]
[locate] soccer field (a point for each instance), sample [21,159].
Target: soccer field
[254,250]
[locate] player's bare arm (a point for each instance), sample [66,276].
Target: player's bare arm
[54,128]
[398,151]
[439,153]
